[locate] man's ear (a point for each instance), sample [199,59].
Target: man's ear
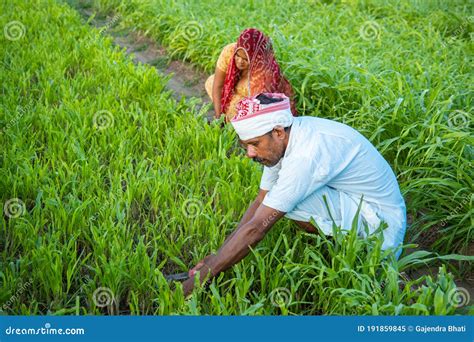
[279,132]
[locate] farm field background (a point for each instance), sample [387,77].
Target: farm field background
[108,181]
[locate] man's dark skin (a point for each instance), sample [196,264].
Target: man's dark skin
[267,149]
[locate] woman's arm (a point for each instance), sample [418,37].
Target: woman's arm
[219,78]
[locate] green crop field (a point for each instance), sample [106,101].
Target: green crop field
[108,182]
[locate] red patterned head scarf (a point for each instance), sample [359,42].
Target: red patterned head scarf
[264,72]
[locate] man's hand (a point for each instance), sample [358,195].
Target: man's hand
[236,247]
[188,286]
[205,273]
[200,264]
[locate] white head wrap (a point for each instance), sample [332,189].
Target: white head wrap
[254,119]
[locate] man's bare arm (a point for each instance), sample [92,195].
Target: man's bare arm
[249,213]
[238,245]
[245,218]
[247,236]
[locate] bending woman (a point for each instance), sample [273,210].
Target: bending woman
[246,68]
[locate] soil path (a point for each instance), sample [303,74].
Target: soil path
[185,80]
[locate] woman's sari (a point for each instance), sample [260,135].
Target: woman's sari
[264,74]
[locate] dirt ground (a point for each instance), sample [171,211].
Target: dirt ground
[185,80]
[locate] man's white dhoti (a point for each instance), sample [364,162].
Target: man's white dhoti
[341,208]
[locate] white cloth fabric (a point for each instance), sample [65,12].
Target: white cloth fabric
[254,119]
[325,157]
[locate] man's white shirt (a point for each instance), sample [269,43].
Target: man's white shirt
[323,154]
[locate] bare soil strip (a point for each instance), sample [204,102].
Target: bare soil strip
[185,80]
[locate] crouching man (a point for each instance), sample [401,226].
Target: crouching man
[313,168]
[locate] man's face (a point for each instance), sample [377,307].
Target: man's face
[267,149]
